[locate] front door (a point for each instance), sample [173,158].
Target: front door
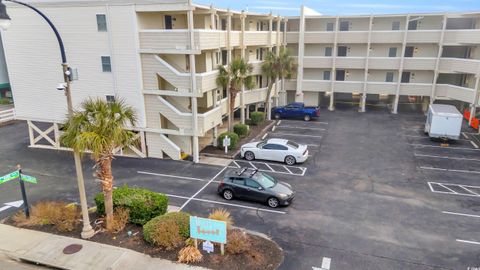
[253,192]
[168,22]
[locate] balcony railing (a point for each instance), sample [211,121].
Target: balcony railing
[178,39]
[459,65]
[455,92]
[419,63]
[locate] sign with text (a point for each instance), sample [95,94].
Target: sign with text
[10,176]
[28,178]
[208,229]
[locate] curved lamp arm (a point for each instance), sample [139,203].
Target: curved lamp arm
[59,38]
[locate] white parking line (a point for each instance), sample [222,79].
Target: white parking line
[442,147]
[468,242]
[474,144]
[173,176]
[449,170]
[425,137]
[465,135]
[450,191]
[264,136]
[252,165]
[291,127]
[287,169]
[238,164]
[296,135]
[229,204]
[446,157]
[460,214]
[310,122]
[266,164]
[200,190]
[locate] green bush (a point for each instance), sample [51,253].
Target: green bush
[241,130]
[4,101]
[233,140]
[151,228]
[256,118]
[143,204]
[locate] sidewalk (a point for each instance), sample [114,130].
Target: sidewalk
[46,249]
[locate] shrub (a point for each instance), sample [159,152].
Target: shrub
[189,254]
[241,130]
[143,204]
[221,215]
[59,214]
[120,219]
[233,140]
[256,118]
[4,101]
[153,232]
[237,242]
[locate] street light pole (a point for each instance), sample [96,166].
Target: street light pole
[87,230]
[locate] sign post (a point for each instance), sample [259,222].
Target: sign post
[226,143]
[209,230]
[22,178]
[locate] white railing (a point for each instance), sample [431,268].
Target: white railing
[7,115]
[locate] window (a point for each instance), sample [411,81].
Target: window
[110,99]
[252,183]
[405,77]
[409,51]
[392,52]
[342,51]
[268,146]
[389,77]
[274,26]
[395,25]
[238,181]
[329,26]
[293,144]
[326,75]
[101,23]
[265,180]
[279,147]
[412,25]
[344,26]
[106,64]
[224,24]
[224,57]
[340,76]
[328,51]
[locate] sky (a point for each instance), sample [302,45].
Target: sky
[348,7]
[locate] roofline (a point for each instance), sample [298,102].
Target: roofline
[474,13]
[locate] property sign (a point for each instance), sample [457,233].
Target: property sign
[226,141]
[207,246]
[10,176]
[208,229]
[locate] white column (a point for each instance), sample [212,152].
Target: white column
[242,51]
[301,52]
[437,61]
[283,94]
[193,85]
[363,101]
[268,106]
[278,41]
[229,60]
[333,76]
[400,71]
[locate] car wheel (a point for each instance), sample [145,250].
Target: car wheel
[227,194]
[306,117]
[249,156]
[290,160]
[273,202]
[277,116]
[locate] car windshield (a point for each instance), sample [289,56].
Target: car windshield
[265,180]
[261,144]
[293,144]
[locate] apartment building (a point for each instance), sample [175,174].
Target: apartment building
[397,58]
[161,56]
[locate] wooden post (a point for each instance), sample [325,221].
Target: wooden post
[195,242]
[222,249]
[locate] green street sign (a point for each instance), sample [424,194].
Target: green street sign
[28,178]
[9,177]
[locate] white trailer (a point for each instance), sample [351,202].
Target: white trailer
[443,122]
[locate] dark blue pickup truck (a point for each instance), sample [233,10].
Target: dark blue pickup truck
[296,110]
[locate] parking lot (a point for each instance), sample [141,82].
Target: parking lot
[375,193]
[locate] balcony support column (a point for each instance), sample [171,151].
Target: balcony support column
[242,52]
[333,76]
[229,60]
[282,96]
[437,61]
[301,48]
[215,129]
[193,84]
[473,107]
[400,71]
[212,18]
[363,99]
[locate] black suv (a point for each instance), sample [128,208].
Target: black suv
[249,184]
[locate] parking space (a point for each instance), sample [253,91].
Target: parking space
[275,168]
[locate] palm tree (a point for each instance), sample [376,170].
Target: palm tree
[234,77]
[277,67]
[99,127]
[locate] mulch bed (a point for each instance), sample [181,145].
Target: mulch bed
[264,254]
[256,132]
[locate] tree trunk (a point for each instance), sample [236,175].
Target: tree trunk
[107,187]
[233,96]
[268,98]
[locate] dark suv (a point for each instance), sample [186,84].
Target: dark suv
[253,185]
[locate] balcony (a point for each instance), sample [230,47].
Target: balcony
[315,85]
[317,62]
[419,63]
[415,89]
[160,40]
[466,36]
[350,62]
[388,63]
[318,37]
[455,92]
[348,87]
[424,36]
[210,119]
[257,67]
[292,37]
[382,88]
[256,95]
[256,38]
[459,65]
[350,37]
[387,36]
